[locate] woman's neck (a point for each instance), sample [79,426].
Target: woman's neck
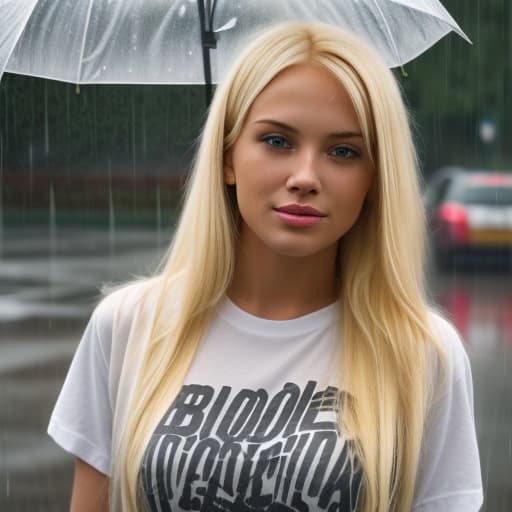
[279,287]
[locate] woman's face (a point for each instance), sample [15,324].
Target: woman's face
[300,164]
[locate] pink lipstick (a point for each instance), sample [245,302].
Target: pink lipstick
[298,215]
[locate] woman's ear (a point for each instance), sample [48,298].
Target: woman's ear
[229,173]
[229,176]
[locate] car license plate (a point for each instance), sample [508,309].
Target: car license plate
[490,219]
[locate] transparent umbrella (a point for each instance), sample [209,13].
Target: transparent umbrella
[169,41]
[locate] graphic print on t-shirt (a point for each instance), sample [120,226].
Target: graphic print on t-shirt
[220,450]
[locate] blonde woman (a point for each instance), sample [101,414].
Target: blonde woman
[285,357]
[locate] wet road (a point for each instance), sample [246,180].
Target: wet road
[479,303]
[49,283]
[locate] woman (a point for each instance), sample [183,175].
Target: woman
[285,358]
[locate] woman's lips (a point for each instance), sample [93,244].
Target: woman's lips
[299,215]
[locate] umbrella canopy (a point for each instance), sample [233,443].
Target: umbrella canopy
[169,41]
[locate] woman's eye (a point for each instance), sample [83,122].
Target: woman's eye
[276,141]
[344,152]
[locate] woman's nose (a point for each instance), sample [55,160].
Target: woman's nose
[303,177]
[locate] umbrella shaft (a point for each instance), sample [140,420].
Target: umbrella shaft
[207,42]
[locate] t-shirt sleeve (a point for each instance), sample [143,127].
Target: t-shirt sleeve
[449,474]
[81,421]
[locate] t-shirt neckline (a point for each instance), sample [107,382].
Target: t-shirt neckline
[240,318]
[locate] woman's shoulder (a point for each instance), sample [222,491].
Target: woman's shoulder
[124,297]
[119,308]
[444,329]
[452,345]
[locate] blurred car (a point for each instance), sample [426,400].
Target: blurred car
[470,215]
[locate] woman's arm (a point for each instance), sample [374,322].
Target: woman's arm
[90,489]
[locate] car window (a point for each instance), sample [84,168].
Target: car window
[499,196]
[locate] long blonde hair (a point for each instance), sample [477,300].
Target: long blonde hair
[387,348]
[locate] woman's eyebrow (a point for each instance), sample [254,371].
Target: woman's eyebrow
[343,134]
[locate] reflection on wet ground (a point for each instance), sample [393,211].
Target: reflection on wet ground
[48,286]
[479,303]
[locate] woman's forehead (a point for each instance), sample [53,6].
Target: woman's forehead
[305,91]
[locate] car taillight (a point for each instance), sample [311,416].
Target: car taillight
[455,218]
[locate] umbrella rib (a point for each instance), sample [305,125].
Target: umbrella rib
[444,17]
[212,15]
[388,30]
[22,29]
[389,35]
[82,49]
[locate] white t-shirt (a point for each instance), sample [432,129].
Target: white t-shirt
[254,426]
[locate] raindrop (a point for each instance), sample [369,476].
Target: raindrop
[1,195]
[182,11]
[6,116]
[134,153]
[95,126]
[68,128]
[134,47]
[52,234]
[46,129]
[190,52]
[31,163]
[111,212]
[158,217]
[129,70]
[144,135]
[68,106]
[52,222]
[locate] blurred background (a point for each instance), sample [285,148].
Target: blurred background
[90,185]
